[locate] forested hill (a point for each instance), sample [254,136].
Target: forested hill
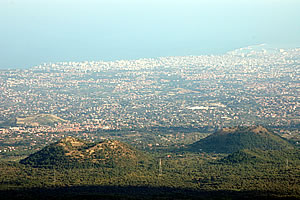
[258,156]
[229,140]
[95,168]
[72,152]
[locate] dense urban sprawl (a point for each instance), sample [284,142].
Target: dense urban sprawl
[253,85]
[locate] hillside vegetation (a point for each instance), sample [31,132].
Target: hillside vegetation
[260,171]
[40,119]
[72,152]
[230,140]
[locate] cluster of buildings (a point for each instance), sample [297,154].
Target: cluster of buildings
[248,86]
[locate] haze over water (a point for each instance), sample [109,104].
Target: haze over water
[34,31]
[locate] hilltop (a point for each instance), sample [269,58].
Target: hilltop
[40,119]
[229,140]
[72,152]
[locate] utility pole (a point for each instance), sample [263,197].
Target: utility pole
[54,176]
[159,167]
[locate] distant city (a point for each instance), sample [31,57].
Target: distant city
[248,86]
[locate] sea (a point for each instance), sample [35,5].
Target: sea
[34,32]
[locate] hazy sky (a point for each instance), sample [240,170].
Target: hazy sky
[37,31]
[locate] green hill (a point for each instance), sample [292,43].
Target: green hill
[40,119]
[8,123]
[72,152]
[255,156]
[230,140]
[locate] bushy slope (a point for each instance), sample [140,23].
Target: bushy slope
[254,156]
[230,140]
[71,152]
